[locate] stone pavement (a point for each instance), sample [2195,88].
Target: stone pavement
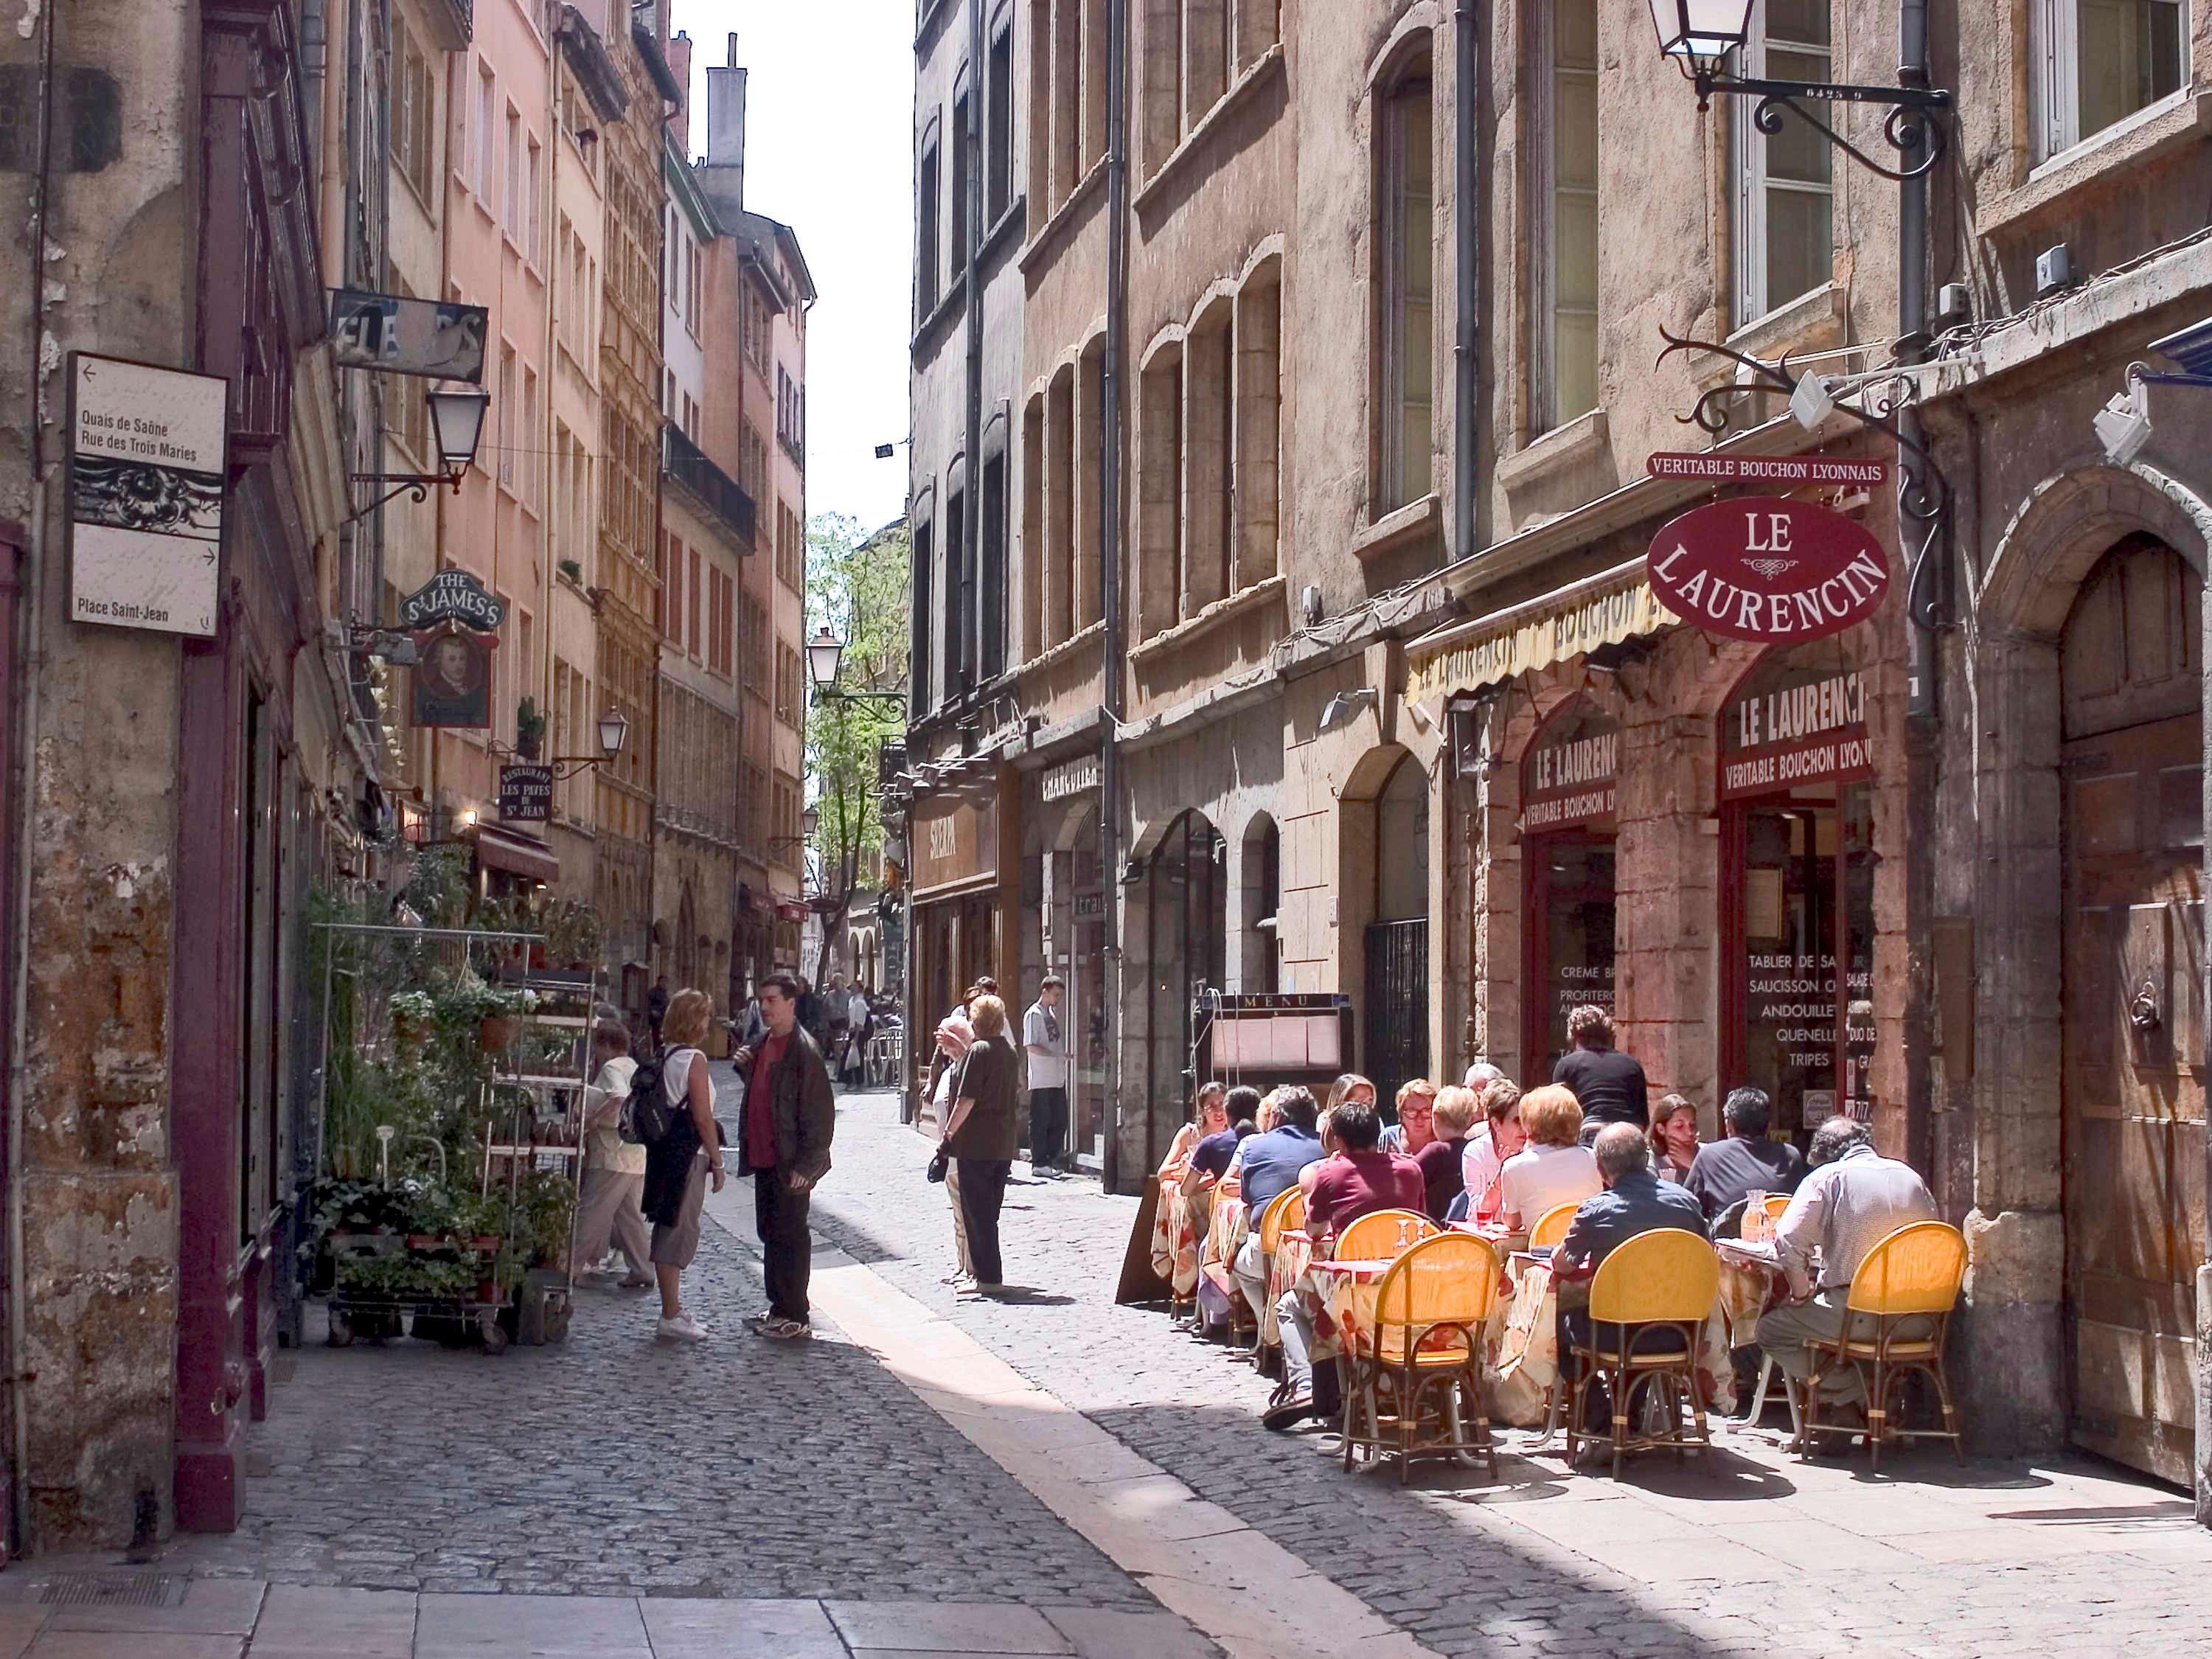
[1760,1555]
[226,1619]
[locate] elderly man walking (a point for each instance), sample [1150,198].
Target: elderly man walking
[1853,1199]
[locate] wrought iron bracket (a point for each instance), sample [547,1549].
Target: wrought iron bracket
[1909,130]
[416,486]
[1924,493]
[564,767]
[830,694]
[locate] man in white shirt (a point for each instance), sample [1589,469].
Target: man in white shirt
[608,1206]
[1051,1065]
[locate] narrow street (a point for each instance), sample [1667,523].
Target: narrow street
[1047,1475]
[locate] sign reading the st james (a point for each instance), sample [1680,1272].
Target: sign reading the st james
[452,595]
[1766,569]
[148,467]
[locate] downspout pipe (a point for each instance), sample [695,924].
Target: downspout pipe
[1467,273]
[1110,564]
[1912,348]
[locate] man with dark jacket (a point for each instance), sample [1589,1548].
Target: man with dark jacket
[783,1143]
[1610,1084]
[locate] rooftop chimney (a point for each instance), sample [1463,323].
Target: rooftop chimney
[679,64]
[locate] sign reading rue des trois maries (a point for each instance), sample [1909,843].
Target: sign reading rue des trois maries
[148,470]
[1567,780]
[525,794]
[1768,569]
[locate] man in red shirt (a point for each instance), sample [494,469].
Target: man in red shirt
[783,1142]
[1359,1180]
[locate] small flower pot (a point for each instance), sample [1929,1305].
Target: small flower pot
[495,1031]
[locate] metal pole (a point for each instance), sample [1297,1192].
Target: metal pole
[1912,343]
[1112,980]
[1467,219]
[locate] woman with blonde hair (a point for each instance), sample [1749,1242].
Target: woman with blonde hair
[1443,1177]
[678,1166]
[983,1134]
[1554,1168]
[1416,1127]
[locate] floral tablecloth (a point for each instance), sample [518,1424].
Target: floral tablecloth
[1287,1267]
[1175,1237]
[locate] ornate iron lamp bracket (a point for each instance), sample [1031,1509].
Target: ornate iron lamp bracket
[1910,128]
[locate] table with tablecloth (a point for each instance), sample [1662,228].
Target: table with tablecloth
[1175,1237]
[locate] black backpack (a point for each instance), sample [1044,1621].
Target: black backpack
[647,1117]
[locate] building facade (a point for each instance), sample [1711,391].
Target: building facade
[1394,712]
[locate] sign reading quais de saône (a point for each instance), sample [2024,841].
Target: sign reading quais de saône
[1766,569]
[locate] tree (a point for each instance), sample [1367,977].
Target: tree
[856,586]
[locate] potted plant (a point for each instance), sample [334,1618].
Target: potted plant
[529,728]
[412,1012]
[574,570]
[495,1027]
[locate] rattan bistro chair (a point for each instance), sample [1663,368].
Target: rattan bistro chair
[1416,1376]
[1286,1212]
[1913,1274]
[1663,1281]
[1551,1228]
[1374,1236]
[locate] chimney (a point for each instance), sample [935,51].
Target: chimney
[722,175]
[679,64]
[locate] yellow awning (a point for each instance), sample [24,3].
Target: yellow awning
[1606,609]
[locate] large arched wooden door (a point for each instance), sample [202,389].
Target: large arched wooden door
[2133,1145]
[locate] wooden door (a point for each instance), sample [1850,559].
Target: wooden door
[2133,1121]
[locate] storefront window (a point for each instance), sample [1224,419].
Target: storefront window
[1798,886]
[1568,784]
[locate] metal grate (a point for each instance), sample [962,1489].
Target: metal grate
[93,1589]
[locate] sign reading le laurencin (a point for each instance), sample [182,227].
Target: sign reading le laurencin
[148,467]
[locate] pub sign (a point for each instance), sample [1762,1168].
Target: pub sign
[1768,569]
[525,794]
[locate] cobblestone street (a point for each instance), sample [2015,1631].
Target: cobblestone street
[863,1495]
[1762,1556]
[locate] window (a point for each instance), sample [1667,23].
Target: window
[1405,241]
[1163,80]
[525,451]
[959,599]
[963,170]
[992,616]
[533,227]
[510,436]
[1259,427]
[671,589]
[1565,356]
[1159,500]
[511,218]
[691,635]
[919,634]
[415,113]
[2097,62]
[1784,189]
[1209,496]
[999,140]
[486,166]
[926,255]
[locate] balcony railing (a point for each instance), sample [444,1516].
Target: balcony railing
[682,460]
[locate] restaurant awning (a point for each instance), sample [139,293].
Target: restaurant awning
[1606,609]
[517,856]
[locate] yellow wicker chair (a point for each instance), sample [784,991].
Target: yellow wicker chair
[1416,1376]
[1663,1280]
[1552,1226]
[1285,1213]
[1374,1236]
[1913,1274]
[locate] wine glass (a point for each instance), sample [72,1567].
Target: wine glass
[1404,1234]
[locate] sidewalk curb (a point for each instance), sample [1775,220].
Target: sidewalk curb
[1245,1591]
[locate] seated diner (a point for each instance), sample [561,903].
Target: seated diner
[1554,1168]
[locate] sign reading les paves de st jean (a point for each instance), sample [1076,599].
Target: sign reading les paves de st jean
[1766,569]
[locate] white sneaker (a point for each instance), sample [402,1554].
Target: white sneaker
[682,1328]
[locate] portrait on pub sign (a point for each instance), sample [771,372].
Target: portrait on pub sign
[453,680]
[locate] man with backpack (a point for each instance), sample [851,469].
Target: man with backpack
[783,1143]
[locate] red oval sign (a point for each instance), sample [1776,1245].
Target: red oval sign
[1760,568]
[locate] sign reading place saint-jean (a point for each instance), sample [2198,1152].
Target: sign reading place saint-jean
[452,595]
[148,467]
[1768,569]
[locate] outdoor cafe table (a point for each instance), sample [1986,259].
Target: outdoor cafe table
[1752,1281]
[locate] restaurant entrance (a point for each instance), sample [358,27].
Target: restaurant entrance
[1797,862]
[1567,818]
[2132,1127]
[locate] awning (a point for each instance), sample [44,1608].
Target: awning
[790,911]
[517,856]
[1606,609]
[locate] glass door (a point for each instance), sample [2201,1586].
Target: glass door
[1571,930]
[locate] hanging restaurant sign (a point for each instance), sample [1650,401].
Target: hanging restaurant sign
[452,595]
[1709,466]
[525,794]
[1765,569]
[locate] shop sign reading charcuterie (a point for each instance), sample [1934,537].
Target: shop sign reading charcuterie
[1766,569]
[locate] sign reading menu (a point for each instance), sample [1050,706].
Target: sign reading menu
[148,471]
[1567,777]
[1811,729]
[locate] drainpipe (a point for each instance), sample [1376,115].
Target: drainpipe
[1110,564]
[1466,255]
[971,529]
[1911,346]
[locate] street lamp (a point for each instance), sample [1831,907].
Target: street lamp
[1701,32]
[614,729]
[809,822]
[824,653]
[614,726]
[457,417]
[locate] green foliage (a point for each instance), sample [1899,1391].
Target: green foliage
[403,1278]
[529,728]
[856,586]
[547,1206]
[574,932]
[439,885]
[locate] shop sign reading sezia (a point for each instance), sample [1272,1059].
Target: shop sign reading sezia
[1765,569]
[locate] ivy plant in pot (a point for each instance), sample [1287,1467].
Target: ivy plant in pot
[529,729]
